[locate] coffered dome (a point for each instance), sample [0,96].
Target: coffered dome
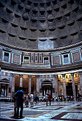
[40,24]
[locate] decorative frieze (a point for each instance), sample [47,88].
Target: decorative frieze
[41,59]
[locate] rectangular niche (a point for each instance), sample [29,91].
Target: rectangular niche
[46,60]
[56,60]
[75,56]
[16,58]
[26,59]
[66,58]
[6,56]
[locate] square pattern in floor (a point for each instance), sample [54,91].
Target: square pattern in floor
[69,116]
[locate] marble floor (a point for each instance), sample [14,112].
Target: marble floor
[58,111]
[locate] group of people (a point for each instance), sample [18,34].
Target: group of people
[19,98]
[29,100]
[48,99]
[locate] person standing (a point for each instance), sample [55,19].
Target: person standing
[15,107]
[46,99]
[27,101]
[31,100]
[19,98]
[49,98]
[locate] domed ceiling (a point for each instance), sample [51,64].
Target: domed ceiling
[40,24]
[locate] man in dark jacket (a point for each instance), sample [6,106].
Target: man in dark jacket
[19,98]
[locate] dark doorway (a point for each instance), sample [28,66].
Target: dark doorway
[69,90]
[46,87]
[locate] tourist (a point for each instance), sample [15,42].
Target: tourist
[31,100]
[46,99]
[19,98]
[49,98]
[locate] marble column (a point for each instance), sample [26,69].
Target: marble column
[12,80]
[37,85]
[80,91]
[56,86]
[64,88]
[29,85]
[21,81]
[13,84]
[73,87]
[64,85]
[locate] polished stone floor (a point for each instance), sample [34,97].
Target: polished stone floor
[58,111]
